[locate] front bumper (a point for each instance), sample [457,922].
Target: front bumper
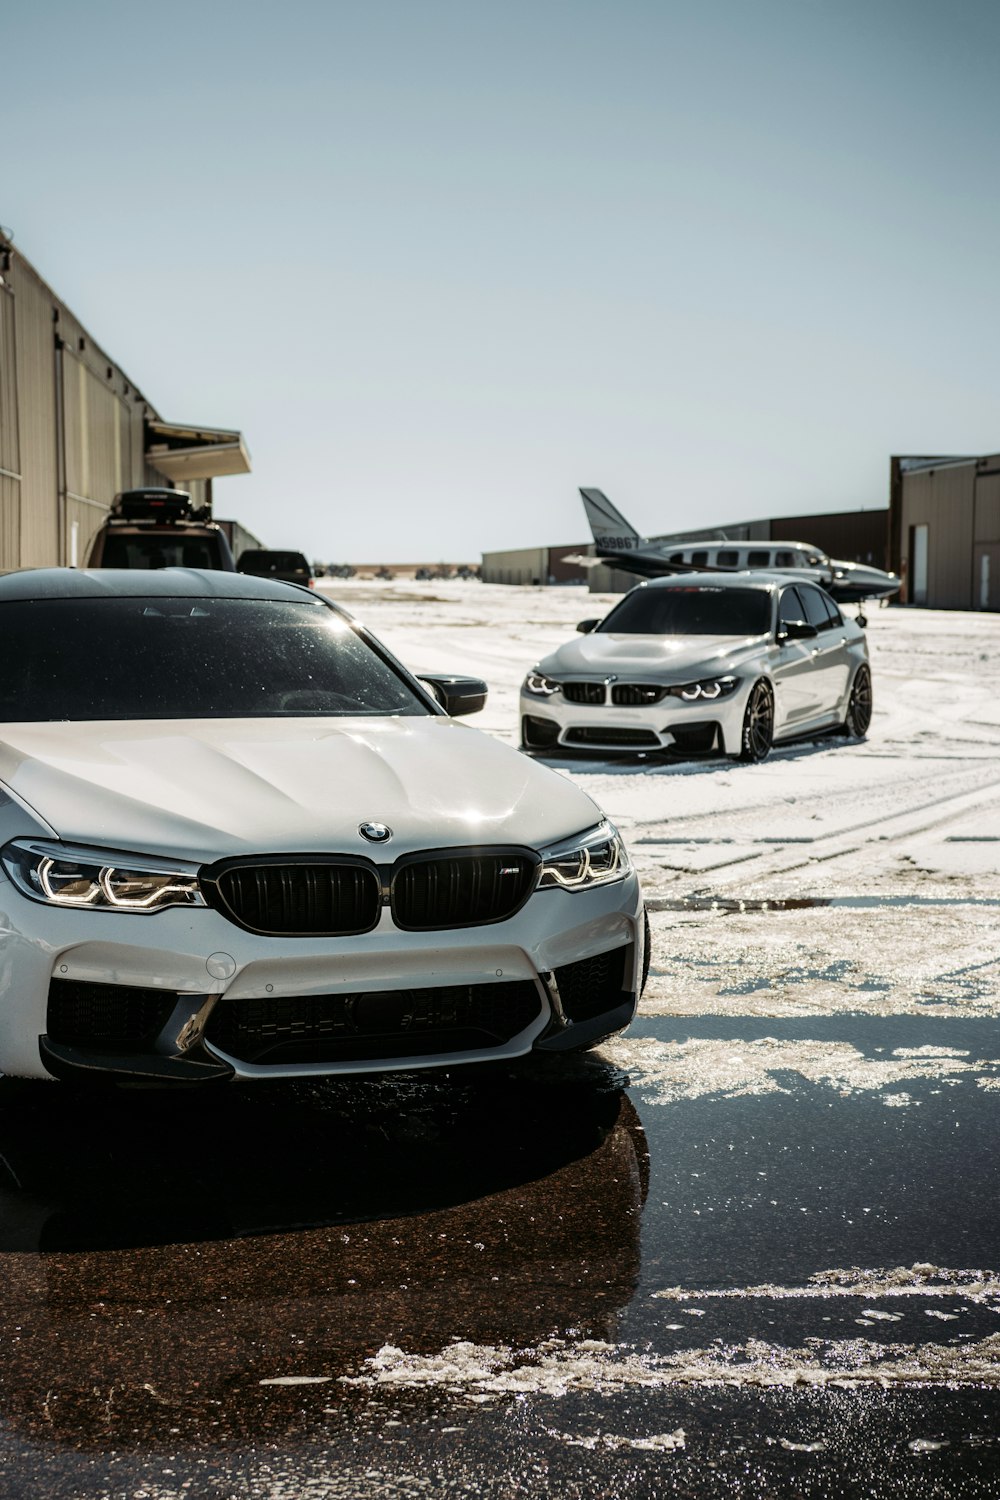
[552,723]
[90,994]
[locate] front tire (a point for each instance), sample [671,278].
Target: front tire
[859,705]
[757,735]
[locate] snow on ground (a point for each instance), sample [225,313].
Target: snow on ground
[915,810]
[834,878]
[824,925]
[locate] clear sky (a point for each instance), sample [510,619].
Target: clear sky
[445,260]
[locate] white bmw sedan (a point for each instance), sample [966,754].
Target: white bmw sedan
[238,840]
[703,662]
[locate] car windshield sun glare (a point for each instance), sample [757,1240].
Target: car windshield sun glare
[595,858]
[62,875]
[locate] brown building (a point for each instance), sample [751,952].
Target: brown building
[75,429]
[944,526]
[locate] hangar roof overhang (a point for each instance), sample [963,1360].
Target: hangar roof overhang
[184,453]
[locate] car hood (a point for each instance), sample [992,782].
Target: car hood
[671,656]
[205,789]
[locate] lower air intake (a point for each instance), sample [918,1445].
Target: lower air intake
[593,985]
[612,736]
[106,1015]
[285,1030]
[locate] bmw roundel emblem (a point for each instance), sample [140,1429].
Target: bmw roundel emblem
[375,833]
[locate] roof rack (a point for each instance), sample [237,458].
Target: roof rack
[156,503]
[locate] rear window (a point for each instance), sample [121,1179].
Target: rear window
[156,551]
[261,563]
[695,610]
[113,658]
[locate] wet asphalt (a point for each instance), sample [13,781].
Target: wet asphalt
[510,1282]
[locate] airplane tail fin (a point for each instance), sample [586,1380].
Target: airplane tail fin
[612,532]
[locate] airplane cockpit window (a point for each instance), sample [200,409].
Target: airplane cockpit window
[759,559]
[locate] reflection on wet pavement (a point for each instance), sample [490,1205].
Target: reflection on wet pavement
[484,1284]
[189,1269]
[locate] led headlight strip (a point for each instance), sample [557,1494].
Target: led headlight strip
[536,682]
[98,879]
[709,687]
[596,857]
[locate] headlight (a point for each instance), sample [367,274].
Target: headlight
[709,687]
[537,682]
[70,875]
[594,858]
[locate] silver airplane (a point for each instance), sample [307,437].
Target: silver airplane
[618,544]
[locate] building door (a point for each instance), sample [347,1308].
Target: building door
[986,588]
[918,564]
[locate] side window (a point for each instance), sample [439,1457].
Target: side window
[790,607]
[784,559]
[759,559]
[699,559]
[816,611]
[836,618]
[727,559]
[676,557]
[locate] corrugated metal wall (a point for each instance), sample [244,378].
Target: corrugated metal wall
[71,426]
[10,461]
[36,384]
[853,536]
[523,565]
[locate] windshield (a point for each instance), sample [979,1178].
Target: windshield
[154,550]
[114,658]
[691,609]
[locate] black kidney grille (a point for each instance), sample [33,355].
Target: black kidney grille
[462,890]
[636,694]
[284,1030]
[584,692]
[300,899]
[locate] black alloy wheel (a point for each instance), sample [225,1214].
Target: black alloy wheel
[758,723]
[859,706]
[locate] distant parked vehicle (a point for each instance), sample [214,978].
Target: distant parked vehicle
[159,528]
[706,662]
[284,567]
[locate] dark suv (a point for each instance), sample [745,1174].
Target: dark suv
[159,528]
[286,567]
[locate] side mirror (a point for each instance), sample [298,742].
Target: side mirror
[797,630]
[457,695]
[586,626]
